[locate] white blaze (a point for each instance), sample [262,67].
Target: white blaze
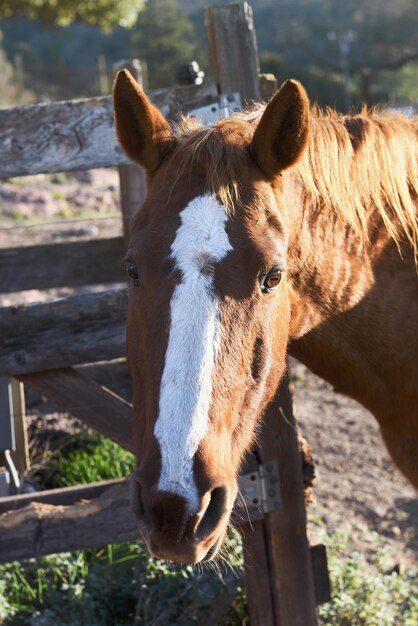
[186,384]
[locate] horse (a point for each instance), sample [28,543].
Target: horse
[280,230]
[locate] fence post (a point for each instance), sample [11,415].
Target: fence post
[277,557]
[131,177]
[233,54]
[13,435]
[20,454]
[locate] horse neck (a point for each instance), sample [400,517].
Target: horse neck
[329,268]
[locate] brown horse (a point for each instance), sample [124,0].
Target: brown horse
[281,229]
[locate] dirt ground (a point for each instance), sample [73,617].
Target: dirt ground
[357,488]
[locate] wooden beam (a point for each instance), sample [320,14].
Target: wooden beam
[40,529]
[96,406]
[78,134]
[65,332]
[61,520]
[257,575]
[72,264]
[7,432]
[288,550]
[268,86]
[20,452]
[62,496]
[232,44]
[132,181]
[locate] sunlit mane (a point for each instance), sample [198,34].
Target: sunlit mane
[354,165]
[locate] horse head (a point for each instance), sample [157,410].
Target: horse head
[209,306]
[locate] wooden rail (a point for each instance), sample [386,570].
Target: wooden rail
[78,134]
[73,264]
[69,331]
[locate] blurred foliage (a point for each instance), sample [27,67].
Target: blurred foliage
[367,593]
[105,14]
[164,39]
[311,36]
[7,93]
[304,39]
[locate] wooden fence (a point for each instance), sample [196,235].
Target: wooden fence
[42,342]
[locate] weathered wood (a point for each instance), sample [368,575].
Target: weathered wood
[65,332]
[40,529]
[77,134]
[257,575]
[33,525]
[268,86]
[20,453]
[96,406]
[232,44]
[7,433]
[4,483]
[320,574]
[132,182]
[63,496]
[68,264]
[288,550]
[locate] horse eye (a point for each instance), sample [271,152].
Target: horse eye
[132,271]
[270,280]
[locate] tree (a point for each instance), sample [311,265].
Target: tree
[106,14]
[7,90]
[164,38]
[318,36]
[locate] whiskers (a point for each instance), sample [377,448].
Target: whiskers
[245,508]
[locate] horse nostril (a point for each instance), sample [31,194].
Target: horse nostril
[216,508]
[137,505]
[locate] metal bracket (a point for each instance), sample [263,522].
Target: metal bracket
[260,488]
[227,104]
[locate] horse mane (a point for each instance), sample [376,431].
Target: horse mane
[354,165]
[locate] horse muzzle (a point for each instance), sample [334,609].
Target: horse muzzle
[180,530]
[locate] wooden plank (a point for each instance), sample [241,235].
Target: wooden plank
[40,529]
[20,452]
[4,483]
[78,134]
[233,55]
[65,332]
[7,433]
[321,574]
[62,496]
[45,527]
[96,406]
[288,549]
[257,575]
[268,86]
[68,264]
[132,183]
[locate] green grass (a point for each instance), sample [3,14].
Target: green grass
[84,458]
[16,215]
[119,584]
[122,584]
[95,458]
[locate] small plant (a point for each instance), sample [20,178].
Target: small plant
[58,195]
[367,594]
[16,215]
[122,584]
[90,458]
[94,587]
[59,178]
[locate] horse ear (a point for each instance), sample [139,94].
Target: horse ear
[283,130]
[143,132]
